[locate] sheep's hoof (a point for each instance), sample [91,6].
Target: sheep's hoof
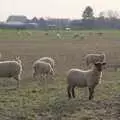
[90,98]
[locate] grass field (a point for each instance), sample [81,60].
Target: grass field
[32,102]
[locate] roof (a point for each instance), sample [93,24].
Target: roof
[14,18]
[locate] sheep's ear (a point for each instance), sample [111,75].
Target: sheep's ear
[97,63]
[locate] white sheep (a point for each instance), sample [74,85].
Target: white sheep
[48,60]
[11,69]
[93,58]
[59,36]
[67,29]
[81,78]
[42,69]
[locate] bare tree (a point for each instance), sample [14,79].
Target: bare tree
[112,14]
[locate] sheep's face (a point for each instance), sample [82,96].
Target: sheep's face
[99,66]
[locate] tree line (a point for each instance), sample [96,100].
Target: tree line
[105,20]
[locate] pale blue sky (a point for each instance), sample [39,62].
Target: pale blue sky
[54,8]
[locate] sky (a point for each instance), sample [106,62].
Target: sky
[54,8]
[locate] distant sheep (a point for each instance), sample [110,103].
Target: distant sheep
[29,33]
[90,33]
[67,29]
[114,66]
[42,69]
[75,35]
[58,35]
[93,58]
[81,78]
[11,69]
[46,33]
[99,33]
[82,37]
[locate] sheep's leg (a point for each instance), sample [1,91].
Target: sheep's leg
[18,80]
[91,92]
[73,92]
[35,76]
[45,82]
[40,78]
[69,91]
[18,83]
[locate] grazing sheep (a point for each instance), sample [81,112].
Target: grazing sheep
[11,69]
[46,33]
[81,78]
[82,37]
[42,68]
[99,33]
[75,35]
[58,35]
[48,60]
[93,58]
[29,33]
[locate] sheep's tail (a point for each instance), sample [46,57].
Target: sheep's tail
[18,59]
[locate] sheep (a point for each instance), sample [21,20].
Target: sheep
[76,35]
[82,37]
[58,35]
[46,33]
[84,78]
[49,60]
[42,68]
[67,29]
[11,69]
[99,33]
[93,58]
[29,33]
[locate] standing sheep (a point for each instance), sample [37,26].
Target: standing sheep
[11,69]
[81,78]
[93,58]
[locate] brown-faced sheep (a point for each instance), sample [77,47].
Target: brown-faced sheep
[81,78]
[93,58]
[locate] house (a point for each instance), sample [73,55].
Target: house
[17,18]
